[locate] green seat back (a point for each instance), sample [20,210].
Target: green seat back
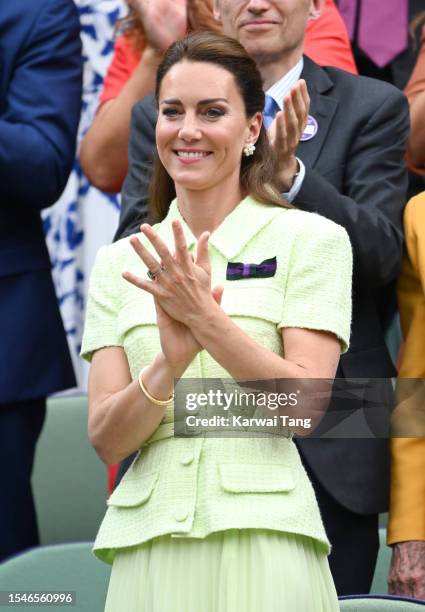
[69,480]
[379,584]
[62,567]
[381,604]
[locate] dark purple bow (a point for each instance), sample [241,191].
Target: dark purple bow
[239,270]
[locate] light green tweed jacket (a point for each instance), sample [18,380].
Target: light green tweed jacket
[193,487]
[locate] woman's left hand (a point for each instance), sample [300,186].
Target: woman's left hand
[182,286]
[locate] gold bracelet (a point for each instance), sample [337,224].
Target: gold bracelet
[152,399]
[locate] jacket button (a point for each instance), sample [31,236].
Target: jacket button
[186,459]
[181,515]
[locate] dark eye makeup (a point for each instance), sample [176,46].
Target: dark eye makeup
[170,111]
[212,112]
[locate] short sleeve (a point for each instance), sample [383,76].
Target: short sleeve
[101,322]
[318,290]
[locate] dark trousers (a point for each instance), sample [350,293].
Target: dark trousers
[354,539]
[20,426]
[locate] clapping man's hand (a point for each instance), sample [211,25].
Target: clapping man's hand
[285,133]
[164,21]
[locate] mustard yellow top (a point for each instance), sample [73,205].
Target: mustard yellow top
[407,501]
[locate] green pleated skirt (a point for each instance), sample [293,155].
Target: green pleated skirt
[245,570]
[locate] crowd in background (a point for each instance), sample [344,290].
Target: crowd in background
[121,57]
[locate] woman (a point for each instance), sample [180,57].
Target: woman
[212,524]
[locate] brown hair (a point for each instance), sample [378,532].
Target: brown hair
[257,172]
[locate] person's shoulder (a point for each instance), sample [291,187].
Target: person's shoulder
[114,259]
[53,12]
[115,255]
[35,7]
[414,213]
[416,204]
[143,120]
[336,81]
[362,85]
[319,241]
[301,222]
[122,246]
[38,14]
[306,232]
[145,108]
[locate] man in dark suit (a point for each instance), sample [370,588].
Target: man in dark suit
[348,167]
[40,98]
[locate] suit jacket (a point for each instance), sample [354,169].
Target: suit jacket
[40,98]
[355,176]
[407,508]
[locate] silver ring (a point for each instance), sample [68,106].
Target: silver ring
[153,275]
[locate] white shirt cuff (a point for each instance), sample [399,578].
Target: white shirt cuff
[293,192]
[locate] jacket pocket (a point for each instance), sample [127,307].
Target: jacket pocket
[133,492]
[255,478]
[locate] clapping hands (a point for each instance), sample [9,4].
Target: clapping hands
[164,21]
[181,289]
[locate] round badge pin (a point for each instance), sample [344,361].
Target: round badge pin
[310,130]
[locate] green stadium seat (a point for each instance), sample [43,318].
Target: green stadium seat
[379,584]
[374,603]
[62,567]
[69,480]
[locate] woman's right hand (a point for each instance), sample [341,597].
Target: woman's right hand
[179,345]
